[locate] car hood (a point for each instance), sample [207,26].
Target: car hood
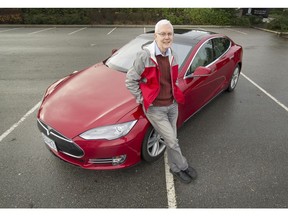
[94,97]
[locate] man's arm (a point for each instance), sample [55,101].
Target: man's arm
[133,76]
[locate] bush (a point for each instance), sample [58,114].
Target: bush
[209,16]
[279,24]
[177,16]
[242,21]
[255,20]
[280,21]
[56,16]
[11,19]
[10,16]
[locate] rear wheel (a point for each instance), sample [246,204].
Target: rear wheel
[234,79]
[153,146]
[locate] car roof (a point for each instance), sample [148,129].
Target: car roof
[184,36]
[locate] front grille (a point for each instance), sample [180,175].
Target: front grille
[64,145]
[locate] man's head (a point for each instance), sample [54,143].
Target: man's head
[164,35]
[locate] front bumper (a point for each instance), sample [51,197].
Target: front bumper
[98,154]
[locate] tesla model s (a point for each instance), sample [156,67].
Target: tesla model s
[91,120]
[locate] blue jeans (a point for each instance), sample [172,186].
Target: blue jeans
[164,120]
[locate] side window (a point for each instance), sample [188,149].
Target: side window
[203,57]
[221,45]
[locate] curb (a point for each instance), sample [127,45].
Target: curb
[282,34]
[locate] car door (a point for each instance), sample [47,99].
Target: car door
[224,58]
[199,90]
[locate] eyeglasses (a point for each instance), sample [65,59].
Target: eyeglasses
[163,34]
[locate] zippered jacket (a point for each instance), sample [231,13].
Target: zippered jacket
[143,78]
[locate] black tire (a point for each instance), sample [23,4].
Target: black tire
[234,79]
[153,146]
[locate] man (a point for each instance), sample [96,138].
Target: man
[152,80]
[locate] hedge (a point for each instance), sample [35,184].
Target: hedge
[179,16]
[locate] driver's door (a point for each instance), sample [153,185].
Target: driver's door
[199,90]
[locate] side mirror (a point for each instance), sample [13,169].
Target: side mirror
[114,50]
[201,72]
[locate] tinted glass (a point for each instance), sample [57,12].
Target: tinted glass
[221,45]
[123,59]
[203,57]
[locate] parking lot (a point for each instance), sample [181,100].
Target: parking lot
[237,143]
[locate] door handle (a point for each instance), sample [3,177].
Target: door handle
[213,70]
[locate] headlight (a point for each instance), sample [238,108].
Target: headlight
[109,132]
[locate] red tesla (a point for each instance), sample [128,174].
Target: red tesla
[90,119]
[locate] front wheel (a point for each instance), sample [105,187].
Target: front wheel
[153,146]
[234,79]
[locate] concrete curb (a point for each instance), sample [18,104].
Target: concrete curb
[282,34]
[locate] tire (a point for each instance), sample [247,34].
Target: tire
[153,146]
[234,79]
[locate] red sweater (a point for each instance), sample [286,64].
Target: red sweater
[165,96]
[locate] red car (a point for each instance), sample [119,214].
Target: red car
[90,119]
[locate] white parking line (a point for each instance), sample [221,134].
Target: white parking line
[265,92]
[9,30]
[40,31]
[171,195]
[6,133]
[236,31]
[76,31]
[111,31]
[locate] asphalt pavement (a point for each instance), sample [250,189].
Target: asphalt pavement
[237,143]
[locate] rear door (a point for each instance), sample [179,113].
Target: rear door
[223,58]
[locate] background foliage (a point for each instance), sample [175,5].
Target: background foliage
[180,16]
[280,21]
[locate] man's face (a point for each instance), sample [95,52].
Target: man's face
[164,37]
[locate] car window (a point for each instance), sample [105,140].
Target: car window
[123,59]
[221,45]
[203,57]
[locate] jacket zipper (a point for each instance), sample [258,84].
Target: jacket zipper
[171,75]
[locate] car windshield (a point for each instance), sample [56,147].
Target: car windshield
[123,59]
